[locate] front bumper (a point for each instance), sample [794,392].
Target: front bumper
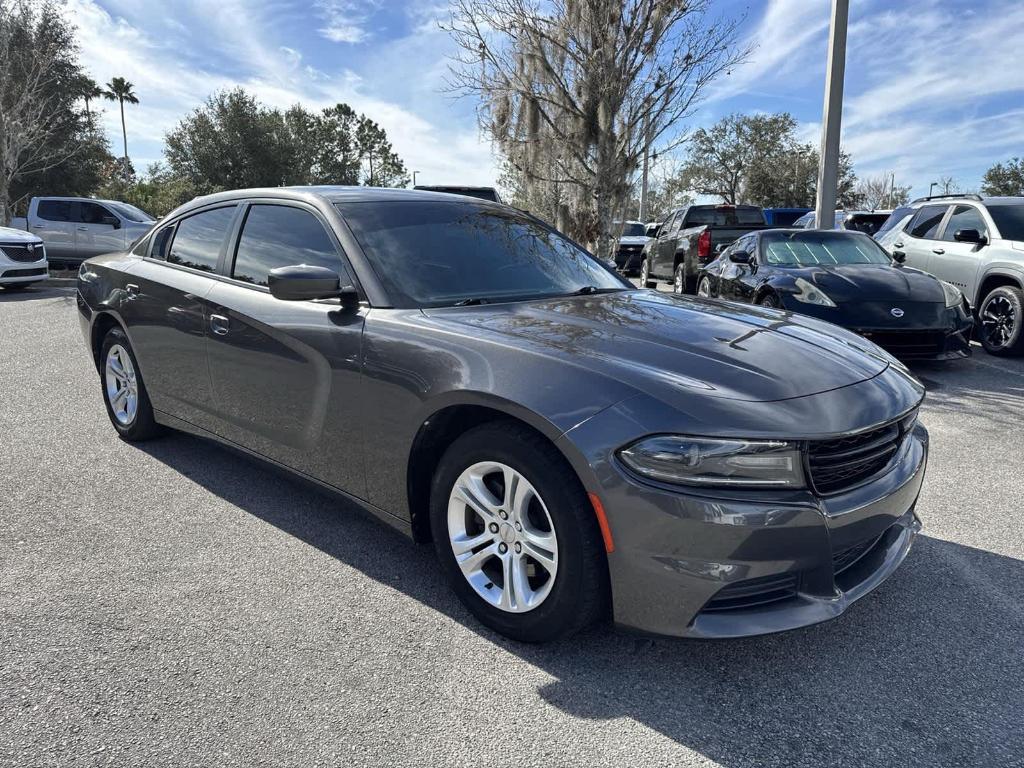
[628,258]
[21,272]
[701,565]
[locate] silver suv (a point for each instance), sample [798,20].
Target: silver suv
[977,244]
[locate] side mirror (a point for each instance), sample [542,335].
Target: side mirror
[899,257]
[969,236]
[303,282]
[741,257]
[112,221]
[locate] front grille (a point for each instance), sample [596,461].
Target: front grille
[755,592]
[627,252]
[23,272]
[840,464]
[908,343]
[22,252]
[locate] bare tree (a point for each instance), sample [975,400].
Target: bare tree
[38,74]
[566,87]
[880,191]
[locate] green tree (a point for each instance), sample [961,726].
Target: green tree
[90,91]
[120,90]
[1004,180]
[381,166]
[45,141]
[158,192]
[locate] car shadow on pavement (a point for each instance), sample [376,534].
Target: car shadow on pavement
[927,670]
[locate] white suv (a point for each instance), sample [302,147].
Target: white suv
[977,244]
[22,259]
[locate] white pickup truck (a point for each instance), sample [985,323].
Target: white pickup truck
[75,228]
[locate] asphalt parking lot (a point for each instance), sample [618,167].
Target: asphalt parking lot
[170,603]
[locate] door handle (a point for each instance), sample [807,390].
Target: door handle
[132,290]
[219,324]
[897,245]
[938,251]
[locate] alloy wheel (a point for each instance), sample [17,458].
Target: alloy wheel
[704,289]
[677,285]
[644,273]
[770,301]
[121,384]
[502,536]
[998,321]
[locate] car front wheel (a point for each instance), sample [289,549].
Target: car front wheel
[645,275]
[704,287]
[516,534]
[1002,321]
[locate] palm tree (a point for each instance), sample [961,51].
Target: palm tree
[120,90]
[90,91]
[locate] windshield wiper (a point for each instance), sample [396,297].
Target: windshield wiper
[471,302]
[588,290]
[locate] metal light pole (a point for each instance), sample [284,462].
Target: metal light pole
[647,151]
[931,187]
[828,171]
[414,177]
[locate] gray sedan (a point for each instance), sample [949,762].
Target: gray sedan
[575,448]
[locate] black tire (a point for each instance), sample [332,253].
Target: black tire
[143,426]
[645,275]
[769,300]
[579,595]
[1001,321]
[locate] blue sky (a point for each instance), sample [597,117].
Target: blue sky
[932,88]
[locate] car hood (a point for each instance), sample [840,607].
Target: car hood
[872,282]
[9,235]
[634,240]
[663,344]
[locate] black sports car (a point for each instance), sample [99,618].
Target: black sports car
[848,279]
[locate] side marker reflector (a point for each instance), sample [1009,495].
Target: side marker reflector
[602,521]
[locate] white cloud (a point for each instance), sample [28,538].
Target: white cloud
[177,60]
[343,21]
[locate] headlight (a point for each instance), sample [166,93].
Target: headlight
[710,461]
[954,298]
[808,294]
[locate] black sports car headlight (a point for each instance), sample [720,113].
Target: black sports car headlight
[710,462]
[954,298]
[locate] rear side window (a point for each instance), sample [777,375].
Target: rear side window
[964,217]
[1009,220]
[54,210]
[926,222]
[198,239]
[160,243]
[281,236]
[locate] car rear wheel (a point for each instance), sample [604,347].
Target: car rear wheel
[516,535]
[704,287]
[679,280]
[1002,321]
[645,275]
[124,392]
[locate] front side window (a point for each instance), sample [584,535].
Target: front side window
[92,213]
[1009,220]
[437,253]
[199,238]
[828,248]
[281,236]
[54,210]
[964,217]
[926,223]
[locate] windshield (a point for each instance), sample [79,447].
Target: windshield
[1009,220]
[631,229]
[432,253]
[805,249]
[131,213]
[896,217]
[868,223]
[723,216]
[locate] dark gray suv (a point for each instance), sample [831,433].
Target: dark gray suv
[573,446]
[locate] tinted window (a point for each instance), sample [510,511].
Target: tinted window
[895,218]
[280,236]
[964,217]
[926,222]
[723,216]
[1009,220]
[160,242]
[801,249]
[54,210]
[131,213]
[672,225]
[198,239]
[868,223]
[632,230]
[433,253]
[91,213]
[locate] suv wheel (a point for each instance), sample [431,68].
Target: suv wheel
[516,535]
[679,280]
[645,275]
[1002,321]
[124,392]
